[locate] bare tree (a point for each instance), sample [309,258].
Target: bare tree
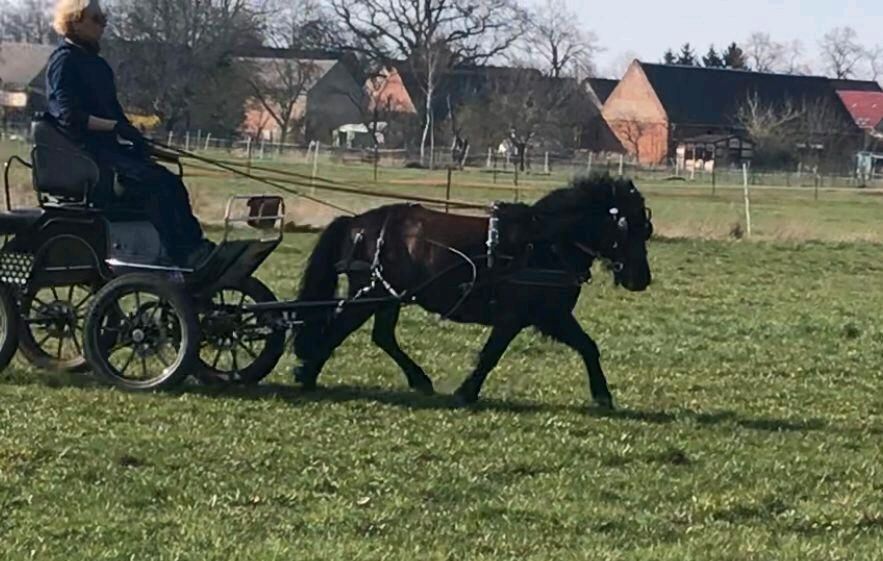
[432,35]
[793,58]
[279,85]
[556,43]
[26,21]
[874,56]
[841,52]
[633,131]
[526,108]
[306,25]
[176,58]
[764,54]
[280,82]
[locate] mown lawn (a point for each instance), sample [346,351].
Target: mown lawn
[750,427]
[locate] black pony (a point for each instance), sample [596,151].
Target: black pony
[521,267]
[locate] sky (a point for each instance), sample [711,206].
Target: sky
[648,27]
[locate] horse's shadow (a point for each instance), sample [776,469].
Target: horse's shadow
[408,399]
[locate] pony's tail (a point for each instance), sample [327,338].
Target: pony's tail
[320,279]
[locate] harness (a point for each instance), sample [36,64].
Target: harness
[565,277]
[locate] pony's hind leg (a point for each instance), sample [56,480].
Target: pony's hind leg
[568,331]
[496,345]
[384,336]
[341,327]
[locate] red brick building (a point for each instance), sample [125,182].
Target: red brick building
[656,108]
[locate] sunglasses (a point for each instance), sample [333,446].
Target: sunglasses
[99,18]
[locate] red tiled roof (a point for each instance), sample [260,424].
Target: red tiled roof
[866,107]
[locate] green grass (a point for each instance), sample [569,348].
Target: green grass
[750,427]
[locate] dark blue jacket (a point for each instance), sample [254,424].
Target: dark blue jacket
[80,83]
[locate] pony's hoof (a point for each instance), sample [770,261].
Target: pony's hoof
[605,403]
[424,388]
[463,399]
[302,377]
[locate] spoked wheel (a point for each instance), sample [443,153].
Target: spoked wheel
[141,333]
[51,328]
[9,326]
[238,347]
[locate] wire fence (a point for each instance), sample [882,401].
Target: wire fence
[504,167]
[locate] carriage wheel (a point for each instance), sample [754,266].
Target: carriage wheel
[51,327]
[141,333]
[238,347]
[8,327]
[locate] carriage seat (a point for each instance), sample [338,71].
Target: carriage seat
[16,221]
[61,168]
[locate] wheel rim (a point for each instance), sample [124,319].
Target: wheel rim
[140,337]
[233,339]
[54,318]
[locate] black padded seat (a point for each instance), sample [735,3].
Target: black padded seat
[61,168]
[17,221]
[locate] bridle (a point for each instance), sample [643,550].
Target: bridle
[622,224]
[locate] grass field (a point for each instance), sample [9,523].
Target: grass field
[750,426]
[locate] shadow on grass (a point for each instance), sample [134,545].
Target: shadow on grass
[410,400]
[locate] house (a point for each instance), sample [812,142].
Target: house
[324,88]
[22,79]
[600,89]
[657,108]
[387,93]
[489,103]
[866,107]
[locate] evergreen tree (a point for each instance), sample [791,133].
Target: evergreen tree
[669,57]
[687,57]
[712,59]
[734,58]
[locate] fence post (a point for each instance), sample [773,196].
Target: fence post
[546,165]
[208,141]
[315,169]
[490,152]
[495,168]
[248,154]
[713,177]
[621,164]
[171,137]
[448,192]
[263,144]
[187,142]
[747,199]
[589,166]
[198,138]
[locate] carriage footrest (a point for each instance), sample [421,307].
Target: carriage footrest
[15,268]
[353,267]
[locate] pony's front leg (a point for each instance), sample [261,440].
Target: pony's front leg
[384,336]
[488,358]
[568,331]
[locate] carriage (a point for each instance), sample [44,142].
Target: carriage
[85,285]
[88,288]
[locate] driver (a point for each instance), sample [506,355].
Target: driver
[82,98]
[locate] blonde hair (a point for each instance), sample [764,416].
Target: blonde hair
[69,12]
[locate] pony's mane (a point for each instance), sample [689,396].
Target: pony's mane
[597,192]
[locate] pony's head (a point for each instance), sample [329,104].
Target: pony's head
[603,218]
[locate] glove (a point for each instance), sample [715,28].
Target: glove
[126,131]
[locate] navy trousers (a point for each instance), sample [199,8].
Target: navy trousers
[160,193]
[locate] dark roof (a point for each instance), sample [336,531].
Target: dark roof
[856,86]
[462,84]
[602,87]
[22,64]
[712,97]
